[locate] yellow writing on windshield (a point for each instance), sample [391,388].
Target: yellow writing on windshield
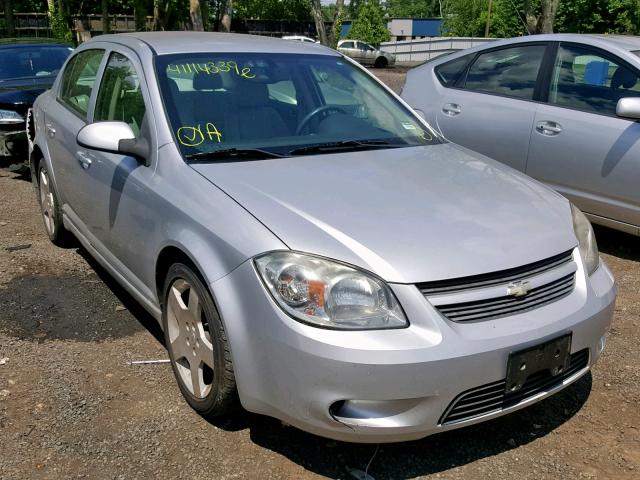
[210,68]
[194,135]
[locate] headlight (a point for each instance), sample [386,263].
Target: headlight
[9,117]
[586,240]
[329,294]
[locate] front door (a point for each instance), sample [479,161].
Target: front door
[126,217]
[491,110]
[579,146]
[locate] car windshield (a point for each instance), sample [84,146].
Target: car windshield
[32,61]
[282,104]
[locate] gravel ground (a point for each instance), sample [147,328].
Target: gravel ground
[71,407]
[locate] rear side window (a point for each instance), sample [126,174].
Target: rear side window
[449,73]
[510,72]
[347,45]
[78,80]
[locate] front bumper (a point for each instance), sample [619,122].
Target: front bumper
[13,143]
[397,383]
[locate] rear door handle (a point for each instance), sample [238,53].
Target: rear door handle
[50,130]
[550,129]
[84,159]
[451,109]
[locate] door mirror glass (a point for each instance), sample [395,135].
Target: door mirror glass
[629,107]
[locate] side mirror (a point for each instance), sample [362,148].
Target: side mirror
[629,107]
[114,137]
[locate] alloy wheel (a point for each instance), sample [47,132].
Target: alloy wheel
[190,338]
[47,202]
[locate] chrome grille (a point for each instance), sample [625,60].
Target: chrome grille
[492,397]
[492,308]
[495,278]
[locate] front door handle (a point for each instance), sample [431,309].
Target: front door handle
[50,130]
[550,129]
[451,109]
[84,159]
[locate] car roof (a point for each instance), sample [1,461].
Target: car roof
[620,43]
[163,43]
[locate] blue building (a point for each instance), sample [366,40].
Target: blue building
[407,28]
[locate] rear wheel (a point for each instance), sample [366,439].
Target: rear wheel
[50,208]
[381,62]
[197,344]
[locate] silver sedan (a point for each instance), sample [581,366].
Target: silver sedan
[312,249]
[562,108]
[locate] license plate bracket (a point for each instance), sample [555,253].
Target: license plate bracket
[554,356]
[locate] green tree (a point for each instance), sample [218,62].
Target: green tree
[9,22]
[368,25]
[413,8]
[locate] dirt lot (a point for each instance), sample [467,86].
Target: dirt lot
[71,407]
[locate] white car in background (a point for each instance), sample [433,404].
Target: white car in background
[299,38]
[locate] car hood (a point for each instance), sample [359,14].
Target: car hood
[24,90]
[409,215]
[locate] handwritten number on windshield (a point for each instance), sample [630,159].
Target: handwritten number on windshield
[210,68]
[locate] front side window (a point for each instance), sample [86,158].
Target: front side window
[120,97]
[511,71]
[279,103]
[78,80]
[585,80]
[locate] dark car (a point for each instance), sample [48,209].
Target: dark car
[27,68]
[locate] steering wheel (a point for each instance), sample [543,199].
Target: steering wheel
[316,112]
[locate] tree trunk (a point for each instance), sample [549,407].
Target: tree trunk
[316,11]
[549,9]
[105,16]
[8,18]
[196,15]
[227,12]
[336,24]
[540,23]
[140,15]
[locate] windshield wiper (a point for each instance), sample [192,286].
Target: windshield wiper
[233,154]
[344,145]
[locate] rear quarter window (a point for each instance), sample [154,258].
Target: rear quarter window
[449,73]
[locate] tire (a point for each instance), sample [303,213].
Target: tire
[50,208]
[197,344]
[381,62]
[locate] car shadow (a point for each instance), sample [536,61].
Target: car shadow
[431,455]
[616,243]
[71,306]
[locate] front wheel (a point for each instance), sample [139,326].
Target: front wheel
[197,344]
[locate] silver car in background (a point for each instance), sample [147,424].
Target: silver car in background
[562,108]
[365,54]
[338,266]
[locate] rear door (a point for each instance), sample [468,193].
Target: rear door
[579,146]
[63,120]
[349,49]
[490,108]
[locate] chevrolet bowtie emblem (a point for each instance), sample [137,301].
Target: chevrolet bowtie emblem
[518,289]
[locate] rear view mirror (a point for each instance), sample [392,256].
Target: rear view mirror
[629,107]
[113,137]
